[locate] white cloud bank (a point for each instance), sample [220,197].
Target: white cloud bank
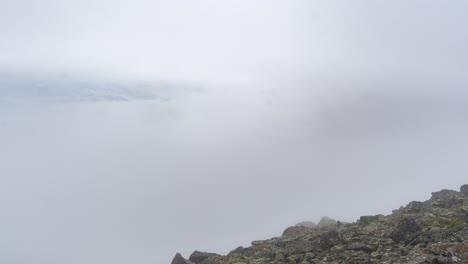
[299,109]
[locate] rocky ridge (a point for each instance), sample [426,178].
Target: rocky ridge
[434,231]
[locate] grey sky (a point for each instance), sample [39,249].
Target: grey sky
[274,112]
[232,40]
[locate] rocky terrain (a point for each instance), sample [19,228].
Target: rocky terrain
[434,231]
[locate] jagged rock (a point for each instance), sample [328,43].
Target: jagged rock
[329,239]
[293,231]
[365,220]
[464,189]
[442,260]
[405,228]
[298,229]
[443,194]
[434,231]
[178,259]
[326,221]
[359,246]
[414,207]
[198,256]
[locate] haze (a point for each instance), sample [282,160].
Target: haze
[132,130]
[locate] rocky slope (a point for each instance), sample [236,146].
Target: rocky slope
[434,231]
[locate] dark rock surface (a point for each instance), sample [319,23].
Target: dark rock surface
[368,219]
[198,257]
[178,259]
[295,230]
[434,231]
[442,194]
[464,189]
[405,228]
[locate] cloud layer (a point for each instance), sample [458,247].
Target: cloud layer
[272,113]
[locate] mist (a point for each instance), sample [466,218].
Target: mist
[132,131]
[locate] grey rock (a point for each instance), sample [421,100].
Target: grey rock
[464,189]
[330,239]
[442,260]
[359,246]
[404,229]
[198,256]
[365,220]
[414,207]
[326,222]
[443,194]
[295,231]
[178,259]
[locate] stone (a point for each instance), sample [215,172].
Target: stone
[295,231]
[329,239]
[464,189]
[198,256]
[442,260]
[443,194]
[178,259]
[365,220]
[359,246]
[404,229]
[414,207]
[326,222]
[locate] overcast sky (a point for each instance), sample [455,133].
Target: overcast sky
[271,112]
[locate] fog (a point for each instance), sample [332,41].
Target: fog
[130,131]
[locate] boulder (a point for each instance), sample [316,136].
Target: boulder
[198,256]
[367,219]
[414,207]
[178,259]
[329,239]
[443,194]
[405,228]
[293,231]
[326,221]
[464,189]
[360,246]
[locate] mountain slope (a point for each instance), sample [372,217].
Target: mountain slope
[434,231]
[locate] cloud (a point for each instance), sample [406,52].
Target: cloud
[233,41]
[273,112]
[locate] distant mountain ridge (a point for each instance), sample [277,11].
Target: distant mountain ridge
[434,231]
[68,88]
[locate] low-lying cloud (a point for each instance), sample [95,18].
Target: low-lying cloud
[133,130]
[136,181]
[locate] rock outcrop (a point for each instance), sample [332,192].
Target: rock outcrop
[326,221]
[201,257]
[434,231]
[178,259]
[464,189]
[295,230]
